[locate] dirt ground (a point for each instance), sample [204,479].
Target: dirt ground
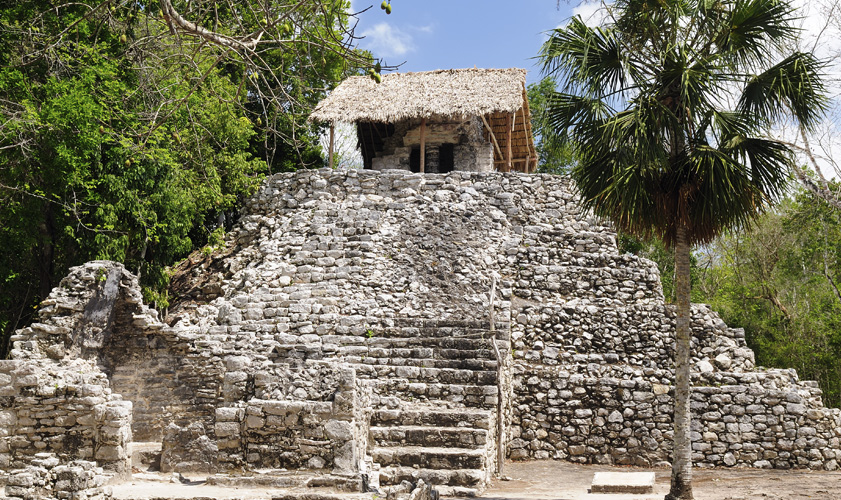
[555,480]
[543,480]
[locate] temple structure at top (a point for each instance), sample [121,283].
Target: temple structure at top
[461,119]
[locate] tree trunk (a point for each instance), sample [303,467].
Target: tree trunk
[681,487]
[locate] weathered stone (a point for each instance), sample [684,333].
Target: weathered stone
[348,297]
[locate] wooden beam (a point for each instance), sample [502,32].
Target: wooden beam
[332,138]
[423,145]
[526,132]
[493,136]
[377,130]
[508,147]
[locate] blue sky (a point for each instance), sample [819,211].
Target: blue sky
[444,34]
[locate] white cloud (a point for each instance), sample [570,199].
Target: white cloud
[593,13]
[384,40]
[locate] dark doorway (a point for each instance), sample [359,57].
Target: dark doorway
[445,158]
[414,160]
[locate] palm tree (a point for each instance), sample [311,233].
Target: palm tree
[668,104]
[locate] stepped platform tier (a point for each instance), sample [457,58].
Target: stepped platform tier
[365,333]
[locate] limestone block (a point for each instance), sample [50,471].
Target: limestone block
[339,430]
[344,459]
[254,422]
[229,414]
[704,366]
[8,418]
[110,453]
[227,429]
[723,361]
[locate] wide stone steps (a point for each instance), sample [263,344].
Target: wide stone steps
[459,364]
[424,435]
[453,333]
[424,374]
[470,478]
[429,457]
[437,414]
[481,396]
[397,356]
[434,399]
[479,349]
[403,341]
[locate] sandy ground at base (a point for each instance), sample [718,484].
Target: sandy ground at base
[556,480]
[148,490]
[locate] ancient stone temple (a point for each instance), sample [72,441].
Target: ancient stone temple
[438,121]
[363,328]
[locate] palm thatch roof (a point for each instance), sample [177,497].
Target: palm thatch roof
[444,93]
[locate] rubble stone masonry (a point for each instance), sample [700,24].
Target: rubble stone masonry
[348,321]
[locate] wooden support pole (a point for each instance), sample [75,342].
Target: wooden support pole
[516,161]
[423,145]
[493,137]
[332,138]
[527,133]
[510,140]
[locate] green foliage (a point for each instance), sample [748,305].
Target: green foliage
[124,141]
[215,241]
[555,156]
[779,281]
[643,101]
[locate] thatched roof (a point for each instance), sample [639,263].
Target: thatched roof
[445,93]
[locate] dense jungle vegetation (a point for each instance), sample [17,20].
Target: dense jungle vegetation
[132,130]
[779,280]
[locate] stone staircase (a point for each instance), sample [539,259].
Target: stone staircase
[435,404]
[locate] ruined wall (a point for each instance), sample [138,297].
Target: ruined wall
[618,415]
[593,341]
[97,314]
[390,274]
[164,376]
[47,478]
[296,433]
[67,410]
[97,337]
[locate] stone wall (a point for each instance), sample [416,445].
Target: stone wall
[67,410]
[325,428]
[593,344]
[97,336]
[46,478]
[471,152]
[341,291]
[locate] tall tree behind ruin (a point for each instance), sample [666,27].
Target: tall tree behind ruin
[643,100]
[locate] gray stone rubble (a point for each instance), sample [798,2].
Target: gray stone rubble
[346,330]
